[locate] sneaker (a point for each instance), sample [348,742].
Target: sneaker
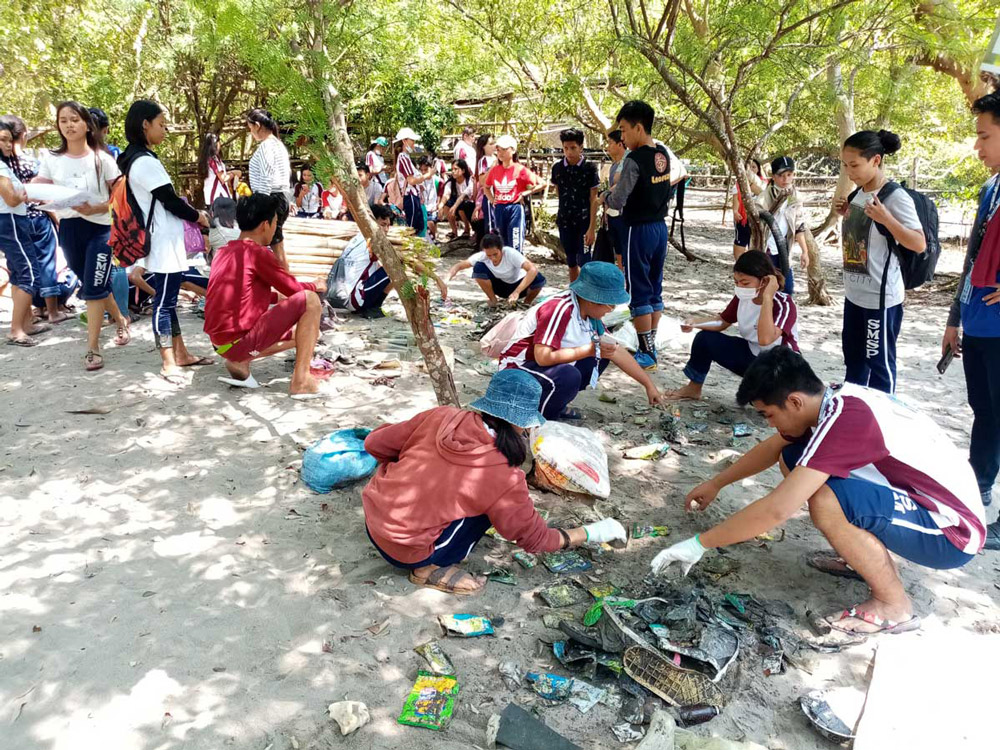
[646,361]
[992,536]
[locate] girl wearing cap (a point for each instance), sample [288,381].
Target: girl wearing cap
[763,316]
[781,200]
[376,162]
[506,183]
[563,344]
[873,282]
[271,172]
[448,474]
[409,179]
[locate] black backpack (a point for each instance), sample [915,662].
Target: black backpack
[916,268]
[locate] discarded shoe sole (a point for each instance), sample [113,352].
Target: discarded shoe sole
[823,719]
[677,686]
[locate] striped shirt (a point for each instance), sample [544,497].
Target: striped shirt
[404,169]
[745,314]
[270,171]
[557,323]
[869,435]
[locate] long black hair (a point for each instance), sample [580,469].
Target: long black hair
[508,440]
[10,161]
[756,263]
[141,111]
[481,142]
[871,143]
[263,118]
[210,148]
[94,139]
[462,165]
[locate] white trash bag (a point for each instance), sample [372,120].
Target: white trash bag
[571,458]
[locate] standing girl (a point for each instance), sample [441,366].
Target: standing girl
[81,162]
[741,239]
[376,161]
[506,183]
[149,183]
[873,283]
[218,181]
[410,180]
[271,172]
[485,159]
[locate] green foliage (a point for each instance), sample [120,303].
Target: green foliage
[403,101]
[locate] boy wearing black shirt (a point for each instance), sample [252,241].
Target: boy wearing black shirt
[576,180]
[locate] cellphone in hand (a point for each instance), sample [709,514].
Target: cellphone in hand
[949,355]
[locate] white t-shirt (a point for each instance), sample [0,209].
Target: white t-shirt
[863,275]
[167,253]
[464,151]
[81,173]
[356,258]
[220,235]
[374,191]
[429,194]
[509,269]
[20,209]
[213,187]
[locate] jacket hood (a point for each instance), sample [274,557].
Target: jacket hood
[463,439]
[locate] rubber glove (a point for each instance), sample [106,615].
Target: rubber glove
[687,553]
[605,530]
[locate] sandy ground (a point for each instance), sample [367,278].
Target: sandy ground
[167,581]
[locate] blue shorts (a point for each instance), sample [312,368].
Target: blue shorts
[741,236]
[453,545]
[892,517]
[571,238]
[503,288]
[19,250]
[371,292]
[85,245]
[643,257]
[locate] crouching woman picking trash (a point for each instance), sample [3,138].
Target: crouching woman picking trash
[448,474]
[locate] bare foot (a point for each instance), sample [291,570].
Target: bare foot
[59,317]
[308,384]
[871,616]
[690,392]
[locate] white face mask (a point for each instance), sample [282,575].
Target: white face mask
[746,292]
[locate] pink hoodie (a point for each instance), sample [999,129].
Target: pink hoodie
[439,467]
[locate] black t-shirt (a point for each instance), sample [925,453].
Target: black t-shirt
[650,199]
[575,183]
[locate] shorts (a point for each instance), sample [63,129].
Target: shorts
[273,326]
[892,517]
[742,235]
[370,293]
[453,545]
[572,239]
[283,211]
[504,288]
[19,250]
[643,258]
[85,245]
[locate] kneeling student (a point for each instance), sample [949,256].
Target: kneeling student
[502,272]
[877,475]
[563,344]
[763,316]
[448,474]
[239,318]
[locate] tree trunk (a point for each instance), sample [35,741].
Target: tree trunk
[818,293]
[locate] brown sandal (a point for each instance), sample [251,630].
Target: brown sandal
[93,361]
[832,564]
[446,579]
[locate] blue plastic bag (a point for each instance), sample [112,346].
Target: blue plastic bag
[338,459]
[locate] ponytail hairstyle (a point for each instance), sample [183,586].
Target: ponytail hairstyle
[210,149]
[756,263]
[871,144]
[481,142]
[508,440]
[94,139]
[263,118]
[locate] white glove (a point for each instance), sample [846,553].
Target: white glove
[687,553]
[605,530]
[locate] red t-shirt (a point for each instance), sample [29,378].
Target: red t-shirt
[508,183]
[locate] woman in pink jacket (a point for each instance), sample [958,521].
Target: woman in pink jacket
[447,475]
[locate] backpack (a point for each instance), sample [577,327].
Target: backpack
[499,338]
[338,291]
[916,268]
[129,240]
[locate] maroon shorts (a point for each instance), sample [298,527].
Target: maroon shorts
[273,326]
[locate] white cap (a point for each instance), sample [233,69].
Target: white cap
[506,141]
[406,134]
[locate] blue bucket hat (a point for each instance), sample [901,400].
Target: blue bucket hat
[512,396]
[601,283]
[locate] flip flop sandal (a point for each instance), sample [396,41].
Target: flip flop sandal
[200,362]
[832,564]
[890,627]
[570,415]
[676,685]
[25,341]
[123,335]
[93,361]
[445,579]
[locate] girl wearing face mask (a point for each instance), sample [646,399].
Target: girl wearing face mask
[764,317]
[409,179]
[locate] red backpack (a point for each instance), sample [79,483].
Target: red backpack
[129,236]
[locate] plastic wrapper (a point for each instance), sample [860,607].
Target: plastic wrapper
[567,561]
[551,687]
[436,658]
[431,702]
[571,458]
[466,626]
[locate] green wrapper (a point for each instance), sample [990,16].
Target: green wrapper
[431,702]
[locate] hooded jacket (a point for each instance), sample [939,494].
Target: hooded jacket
[439,467]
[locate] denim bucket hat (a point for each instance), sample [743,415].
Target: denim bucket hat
[512,396]
[601,283]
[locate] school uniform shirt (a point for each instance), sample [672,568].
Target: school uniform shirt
[574,181]
[405,169]
[465,152]
[978,318]
[374,191]
[311,199]
[429,194]
[88,173]
[865,260]
[869,435]
[455,194]
[21,209]
[509,269]
[167,252]
[214,187]
[374,162]
[745,315]
[557,323]
[358,266]
[485,164]
[509,183]
[270,170]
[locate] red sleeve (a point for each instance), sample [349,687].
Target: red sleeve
[515,517]
[729,314]
[268,268]
[524,179]
[385,443]
[846,438]
[553,318]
